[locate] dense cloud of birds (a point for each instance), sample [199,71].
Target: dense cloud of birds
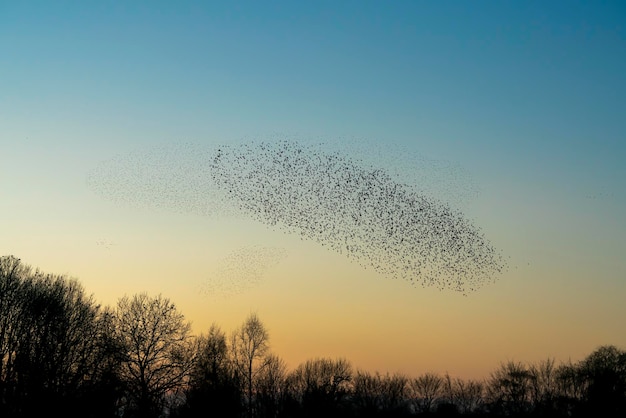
[345,203]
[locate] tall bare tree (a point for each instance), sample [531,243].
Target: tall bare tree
[213,386]
[366,391]
[426,390]
[270,386]
[249,345]
[543,386]
[510,388]
[50,341]
[12,276]
[157,351]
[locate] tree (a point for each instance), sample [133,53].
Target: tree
[366,392]
[157,352]
[249,344]
[509,389]
[49,342]
[212,385]
[104,388]
[12,276]
[467,395]
[543,391]
[270,386]
[426,390]
[376,394]
[321,386]
[604,373]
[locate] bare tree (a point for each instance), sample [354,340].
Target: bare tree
[157,351]
[372,393]
[570,387]
[12,276]
[49,341]
[270,386]
[544,388]
[425,391]
[468,395]
[321,385]
[249,344]
[510,388]
[211,358]
[212,386]
[366,391]
[604,376]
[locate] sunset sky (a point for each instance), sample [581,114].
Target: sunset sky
[513,112]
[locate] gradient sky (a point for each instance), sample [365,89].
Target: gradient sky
[528,97]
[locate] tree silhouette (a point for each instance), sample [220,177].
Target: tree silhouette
[157,352]
[212,385]
[49,342]
[375,395]
[62,354]
[467,395]
[12,275]
[544,388]
[570,388]
[270,386]
[322,386]
[249,344]
[367,392]
[604,372]
[425,391]
[509,389]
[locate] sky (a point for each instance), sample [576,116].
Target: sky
[512,112]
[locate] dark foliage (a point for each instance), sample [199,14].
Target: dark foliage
[63,355]
[54,350]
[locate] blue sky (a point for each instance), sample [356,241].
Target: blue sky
[528,96]
[541,82]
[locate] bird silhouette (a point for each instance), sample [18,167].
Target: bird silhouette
[362,211]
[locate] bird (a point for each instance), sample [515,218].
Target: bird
[370,214]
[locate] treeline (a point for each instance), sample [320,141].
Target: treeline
[64,355]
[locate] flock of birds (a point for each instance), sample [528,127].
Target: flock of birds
[348,205]
[242,269]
